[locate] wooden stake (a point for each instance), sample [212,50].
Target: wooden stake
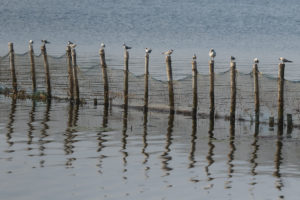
[289,119]
[212,86]
[280,98]
[76,85]
[170,83]
[256,92]
[195,88]
[146,94]
[126,58]
[32,63]
[70,73]
[271,121]
[233,92]
[47,73]
[104,76]
[12,67]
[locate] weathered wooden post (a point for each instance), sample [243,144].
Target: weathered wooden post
[233,92]
[12,68]
[256,92]
[146,94]
[32,64]
[70,73]
[194,87]
[280,98]
[47,73]
[271,122]
[104,76]
[126,60]
[289,119]
[212,86]
[76,84]
[170,83]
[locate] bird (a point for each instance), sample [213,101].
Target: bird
[169,52]
[72,45]
[256,61]
[212,54]
[30,41]
[45,41]
[102,45]
[148,50]
[126,47]
[232,58]
[194,57]
[283,60]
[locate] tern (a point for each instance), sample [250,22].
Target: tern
[194,57]
[45,41]
[148,50]
[126,47]
[283,60]
[168,52]
[232,58]
[212,54]
[102,45]
[256,61]
[30,41]
[72,45]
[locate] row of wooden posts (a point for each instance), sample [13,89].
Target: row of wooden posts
[74,93]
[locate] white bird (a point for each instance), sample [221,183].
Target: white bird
[72,45]
[45,41]
[212,54]
[169,52]
[283,60]
[232,58]
[126,47]
[256,61]
[148,50]
[102,45]
[30,41]
[194,57]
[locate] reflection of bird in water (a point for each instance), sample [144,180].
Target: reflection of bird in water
[194,57]
[102,45]
[256,61]
[208,186]
[148,50]
[71,44]
[30,41]
[169,52]
[212,54]
[126,47]
[45,41]
[283,60]
[232,58]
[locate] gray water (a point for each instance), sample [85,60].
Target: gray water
[246,29]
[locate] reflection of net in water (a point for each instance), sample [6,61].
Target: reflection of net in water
[91,87]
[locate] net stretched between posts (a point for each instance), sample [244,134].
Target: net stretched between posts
[91,87]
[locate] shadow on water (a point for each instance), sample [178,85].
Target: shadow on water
[231,155]
[193,143]
[145,143]
[253,158]
[124,138]
[10,127]
[211,146]
[277,162]
[165,156]
[30,126]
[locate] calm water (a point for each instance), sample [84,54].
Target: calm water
[57,151]
[247,29]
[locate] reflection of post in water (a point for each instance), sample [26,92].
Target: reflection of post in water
[193,143]
[254,152]
[105,115]
[231,156]
[44,133]
[145,143]
[165,156]
[124,138]
[9,126]
[277,162]
[31,120]
[210,154]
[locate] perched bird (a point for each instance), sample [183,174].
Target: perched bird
[102,45]
[72,45]
[69,43]
[168,52]
[256,61]
[126,47]
[212,54]
[194,57]
[283,60]
[45,41]
[30,41]
[148,50]
[232,58]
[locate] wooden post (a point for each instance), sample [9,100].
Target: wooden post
[104,76]
[195,88]
[146,94]
[256,92]
[47,73]
[280,98]
[70,73]
[289,123]
[76,85]
[12,67]
[126,58]
[170,83]
[32,63]
[271,121]
[233,92]
[212,86]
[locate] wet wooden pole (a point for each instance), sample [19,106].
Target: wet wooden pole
[256,92]
[126,61]
[70,73]
[104,76]
[76,84]
[146,94]
[47,73]
[233,92]
[212,86]
[280,98]
[12,67]
[32,64]
[195,88]
[170,83]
